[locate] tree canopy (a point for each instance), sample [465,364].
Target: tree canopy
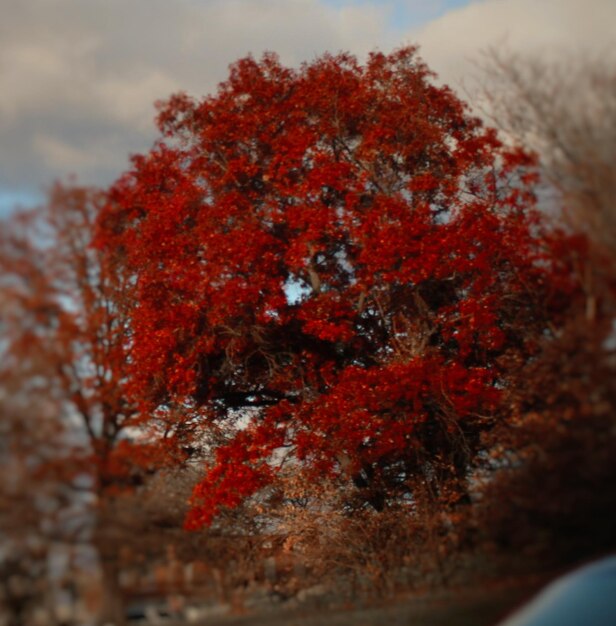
[334,266]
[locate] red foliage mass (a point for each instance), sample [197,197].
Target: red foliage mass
[342,249]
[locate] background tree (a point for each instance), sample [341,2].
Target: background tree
[560,432]
[331,263]
[29,502]
[565,111]
[65,339]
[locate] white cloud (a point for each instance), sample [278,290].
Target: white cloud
[55,153]
[78,79]
[452,44]
[130,101]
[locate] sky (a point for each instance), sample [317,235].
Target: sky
[78,78]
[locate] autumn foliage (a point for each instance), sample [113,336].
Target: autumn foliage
[337,268]
[73,438]
[327,305]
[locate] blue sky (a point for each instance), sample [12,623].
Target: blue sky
[15,198]
[78,79]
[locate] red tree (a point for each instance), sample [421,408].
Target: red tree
[334,260]
[64,341]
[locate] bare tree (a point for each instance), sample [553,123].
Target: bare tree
[565,110]
[561,421]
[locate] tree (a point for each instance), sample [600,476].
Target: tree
[329,265]
[65,340]
[565,111]
[29,502]
[560,431]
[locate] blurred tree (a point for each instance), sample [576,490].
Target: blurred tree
[65,340]
[555,492]
[564,110]
[29,502]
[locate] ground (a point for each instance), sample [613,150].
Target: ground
[479,606]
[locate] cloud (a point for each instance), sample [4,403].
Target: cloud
[452,44]
[78,79]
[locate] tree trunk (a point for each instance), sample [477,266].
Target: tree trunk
[112,610]
[112,604]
